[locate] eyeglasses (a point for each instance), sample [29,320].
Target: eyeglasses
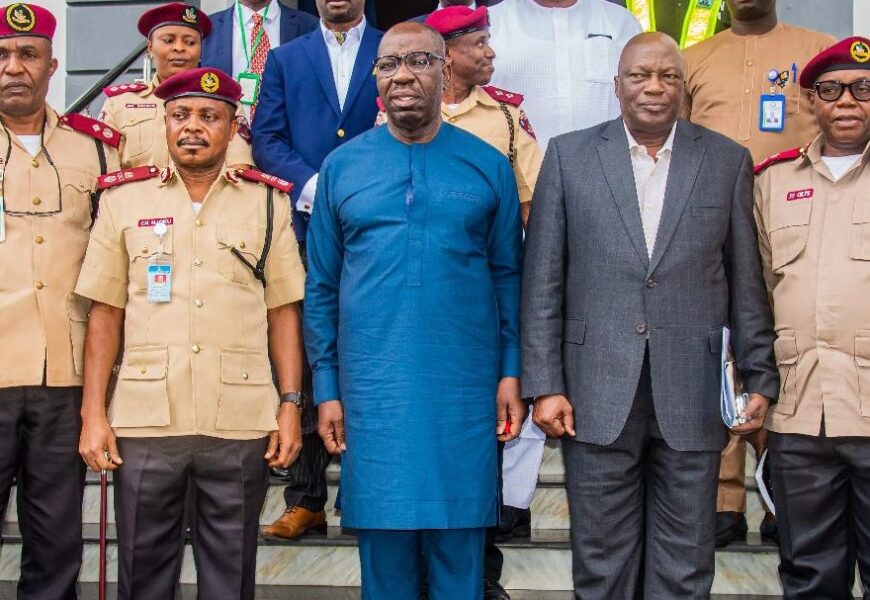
[29,213]
[831,91]
[417,62]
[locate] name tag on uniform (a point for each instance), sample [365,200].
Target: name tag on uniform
[771,112]
[159,282]
[250,83]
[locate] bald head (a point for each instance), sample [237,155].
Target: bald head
[650,86]
[654,41]
[414,30]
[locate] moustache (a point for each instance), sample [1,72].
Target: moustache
[192,141]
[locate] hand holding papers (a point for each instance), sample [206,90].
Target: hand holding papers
[732,404]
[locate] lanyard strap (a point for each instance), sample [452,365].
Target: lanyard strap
[257,40]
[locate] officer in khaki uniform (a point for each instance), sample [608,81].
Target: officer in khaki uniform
[491,114]
[813,214]
[175,32]
[48,174]
[199,265]
[727,78]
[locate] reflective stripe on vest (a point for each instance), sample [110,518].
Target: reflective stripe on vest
[700,21]
[644,11]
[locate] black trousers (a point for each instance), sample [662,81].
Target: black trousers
[39,445]
[643,515]
[493,560]
[821,490]
[230,478]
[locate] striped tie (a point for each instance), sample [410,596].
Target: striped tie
[260,52]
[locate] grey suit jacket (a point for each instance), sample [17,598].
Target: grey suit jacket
[593,300]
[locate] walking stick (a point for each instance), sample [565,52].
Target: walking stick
[104,493]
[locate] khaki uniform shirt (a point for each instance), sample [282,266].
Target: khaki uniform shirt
[727,74]
[480,114]
[42,322]
[140,117]
[199,364]
[814,237]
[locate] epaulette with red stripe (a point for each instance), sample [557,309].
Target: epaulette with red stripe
[784,156]
[511,98]
[110,180]
[270,180]
[96,129]
[117,90]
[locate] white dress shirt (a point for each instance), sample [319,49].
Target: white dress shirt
[563,60]
[342,58]
[650,180]
[272,25]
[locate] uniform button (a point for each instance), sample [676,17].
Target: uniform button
[749,63]
[650,283]
[143,370]
[242,244]
[39,239]
[198,222]
[197,262]
[34,163]
[640,328]
[39,285]
[195,349]
[144,249]
[198,303]
[451,120]
[244,375]
[746,91]
[37,201]
[340,133]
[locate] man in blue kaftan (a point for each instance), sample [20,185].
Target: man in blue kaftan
[411,327]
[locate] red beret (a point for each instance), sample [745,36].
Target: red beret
[27,19]
[204,82]
[174,13]
[454,21]
[851,53]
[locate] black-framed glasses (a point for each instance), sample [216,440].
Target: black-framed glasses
[832,90]
[417,62]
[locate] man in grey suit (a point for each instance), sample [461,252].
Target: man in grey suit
[641,247]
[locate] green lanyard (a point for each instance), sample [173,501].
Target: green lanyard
[245,36]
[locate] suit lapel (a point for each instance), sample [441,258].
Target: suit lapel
[224,35]
[616,164]
[289,27]
[362,68]
[315,49]
[686,161]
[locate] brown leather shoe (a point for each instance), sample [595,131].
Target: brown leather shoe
[295,522]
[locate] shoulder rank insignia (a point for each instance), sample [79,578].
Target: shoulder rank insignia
[526,125]
[96,129]
[110,180]
[270,180]
[511,98]
[784,156]
[116,90]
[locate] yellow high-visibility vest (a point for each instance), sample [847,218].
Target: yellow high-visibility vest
[644,11]
[700,21]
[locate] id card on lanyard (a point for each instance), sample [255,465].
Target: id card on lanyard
[249,81]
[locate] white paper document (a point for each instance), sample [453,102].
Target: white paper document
[731,403]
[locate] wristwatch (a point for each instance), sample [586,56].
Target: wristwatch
[292,398]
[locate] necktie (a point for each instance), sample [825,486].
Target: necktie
[340,36]
[258,51]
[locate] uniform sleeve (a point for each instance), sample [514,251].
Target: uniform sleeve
[104,274]
[527,165]
[760,212]
[239,151]
[505,258]
[285,277]
[325,246]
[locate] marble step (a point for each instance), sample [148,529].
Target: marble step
[542,564]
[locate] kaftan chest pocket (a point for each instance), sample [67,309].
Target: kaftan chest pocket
[859,234]
[144,246]
[600,59]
